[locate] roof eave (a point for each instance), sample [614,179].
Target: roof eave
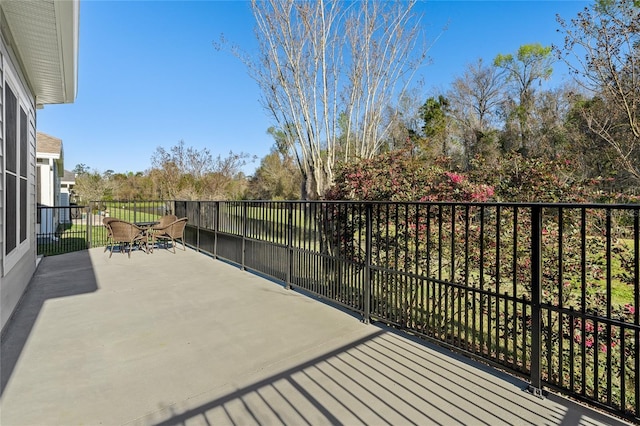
[44,37]
[68,23]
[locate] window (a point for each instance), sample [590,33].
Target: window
[24,151]
[11,132]
[16,131]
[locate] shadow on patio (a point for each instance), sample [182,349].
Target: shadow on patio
[52,283]
[170,339]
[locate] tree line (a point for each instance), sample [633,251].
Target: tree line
[182,172]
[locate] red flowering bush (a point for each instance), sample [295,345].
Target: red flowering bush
[397,176]
[488,247]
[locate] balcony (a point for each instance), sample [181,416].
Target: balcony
[546,292]
[176,339]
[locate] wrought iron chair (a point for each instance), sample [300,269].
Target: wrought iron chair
[171,232]
[126,233]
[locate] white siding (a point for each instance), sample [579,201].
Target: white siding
[46,183]
[1,161]
[17,267]
[31,202]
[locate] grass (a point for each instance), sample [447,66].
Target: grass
[621,291]
[67,238]
[135,211]
[76,236]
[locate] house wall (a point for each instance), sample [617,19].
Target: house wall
[14,284]
[47,182]
[17,266]
[47,194]
[57,218]
[2,194]
[65,216]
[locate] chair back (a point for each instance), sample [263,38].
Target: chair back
[106,220]
[176,229]
[166,220]
[124,231]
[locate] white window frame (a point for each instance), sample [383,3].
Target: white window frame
[22,248]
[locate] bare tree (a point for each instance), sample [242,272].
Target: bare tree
[225,180]
[602,48]
[187,173]
[404,122]
[186,159]
[320,62]
[167,169]
[475,98]
[92,186]
[551,114]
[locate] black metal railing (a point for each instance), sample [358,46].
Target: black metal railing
[547,291]
[61,229]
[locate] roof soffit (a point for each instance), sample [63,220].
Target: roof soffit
[45,38]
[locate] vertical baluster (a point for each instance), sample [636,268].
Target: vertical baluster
[536,281]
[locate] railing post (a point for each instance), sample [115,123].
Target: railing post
[367,267]
[535,387]
[216,225]
[88,222]
[289,245]
[199,206]
[244,233]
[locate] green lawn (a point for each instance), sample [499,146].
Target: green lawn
[133,211]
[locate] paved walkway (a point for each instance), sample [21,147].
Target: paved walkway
[182,339]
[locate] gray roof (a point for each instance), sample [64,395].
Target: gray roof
[69,177]
[47,144]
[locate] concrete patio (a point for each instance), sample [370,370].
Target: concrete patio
[182,339]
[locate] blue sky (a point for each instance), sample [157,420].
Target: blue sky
[149,75]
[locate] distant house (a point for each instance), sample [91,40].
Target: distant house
[50,169]
[38,66]
[67,184]
[49,172]
[67,194]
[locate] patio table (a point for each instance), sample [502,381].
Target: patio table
[146,227]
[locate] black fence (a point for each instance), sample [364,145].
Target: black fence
[58,230]
[72,228]
[547,291]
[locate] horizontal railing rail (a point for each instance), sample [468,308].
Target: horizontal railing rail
[547,291]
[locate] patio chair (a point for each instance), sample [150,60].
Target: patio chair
[126,233]
[171,232]
[164,221]
[105,222]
